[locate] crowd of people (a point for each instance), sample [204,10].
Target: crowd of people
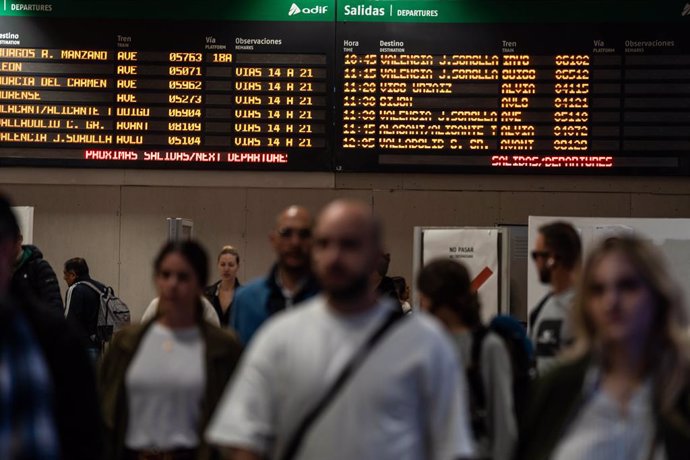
[325,358]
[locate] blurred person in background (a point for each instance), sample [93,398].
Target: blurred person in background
[445,291]
[48,403]
[403,291]
[161,381]
[557,257]
[346,376]
[624,391]
[222,293]
[290,280]
[33,276]
[382,283]
[83,301]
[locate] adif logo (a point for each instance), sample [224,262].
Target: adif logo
[294,9]
[686,10]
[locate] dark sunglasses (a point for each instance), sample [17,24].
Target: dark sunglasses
[181,276]
[302,233]
[540,254]
[624,285]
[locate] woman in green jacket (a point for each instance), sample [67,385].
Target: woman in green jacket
[623,391]
[160,381]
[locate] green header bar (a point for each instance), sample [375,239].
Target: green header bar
[405,11]
[512,11]
[247,10]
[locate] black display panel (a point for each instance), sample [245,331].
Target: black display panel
[602,97]
[459,86]
[209,94]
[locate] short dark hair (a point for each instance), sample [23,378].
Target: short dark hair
[9,227]
[447,284]
[562,239]
[192,252]
[78,266]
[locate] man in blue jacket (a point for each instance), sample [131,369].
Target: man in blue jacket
[290,280]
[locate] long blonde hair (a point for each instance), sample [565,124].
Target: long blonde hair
[668,350]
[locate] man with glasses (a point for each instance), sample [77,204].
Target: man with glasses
[557,256]
[289,282]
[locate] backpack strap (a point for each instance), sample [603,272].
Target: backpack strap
[476,384]
[92,286]
[534,316]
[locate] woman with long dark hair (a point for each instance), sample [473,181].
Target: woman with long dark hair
[622,392]
[446,292]
[160,381]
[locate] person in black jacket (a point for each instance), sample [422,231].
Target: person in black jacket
[49,392]
[83,300]
[34,277]
[222,293]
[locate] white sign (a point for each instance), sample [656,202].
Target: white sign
[671,236]
[477,249]
[25,218]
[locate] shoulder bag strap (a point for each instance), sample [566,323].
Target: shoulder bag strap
[292,447]
[537,310]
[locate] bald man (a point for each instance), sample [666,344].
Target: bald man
[406,401]
[290,280]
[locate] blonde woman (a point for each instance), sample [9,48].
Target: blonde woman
[623,393]
[222,293]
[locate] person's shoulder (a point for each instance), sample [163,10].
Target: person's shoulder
[223,338]
[286,322]
[129,336]
[210,290]
[493,342]
[427,330]
[425,323]
[251,288]
[566,374]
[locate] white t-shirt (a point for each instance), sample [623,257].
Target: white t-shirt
[406,402]
[165,387]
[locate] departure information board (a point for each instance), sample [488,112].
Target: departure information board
[354,85]
[214,94]
[447,96]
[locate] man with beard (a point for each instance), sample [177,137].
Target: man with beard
[403,400]
[557,256]
[289,282]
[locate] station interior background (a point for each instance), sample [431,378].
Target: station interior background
[115,219]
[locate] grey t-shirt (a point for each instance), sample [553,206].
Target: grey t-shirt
[497,377]
[165,386]
[553,329]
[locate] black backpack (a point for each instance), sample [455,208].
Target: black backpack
[523,364]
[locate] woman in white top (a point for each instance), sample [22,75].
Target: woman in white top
[160,381]
[445,292]
[623,394]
